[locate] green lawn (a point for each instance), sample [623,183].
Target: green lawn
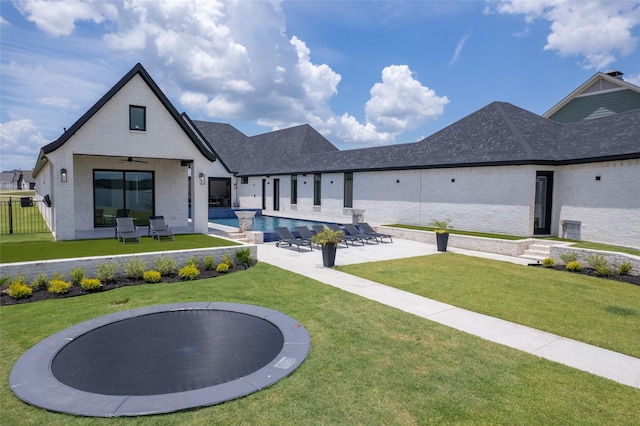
[601,312]
[43,250]
[369,364]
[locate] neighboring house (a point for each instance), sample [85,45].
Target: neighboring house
[131,153]
[501,169]
[16,180]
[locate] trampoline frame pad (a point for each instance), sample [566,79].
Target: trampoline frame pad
[32,381]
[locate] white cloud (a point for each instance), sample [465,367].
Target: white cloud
[633,79]
[458,51]
[58,17]
[597,31]
[20,142]
[233,60]
[400,102]
[57,102]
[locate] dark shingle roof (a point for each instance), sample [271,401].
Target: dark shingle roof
[498,134]
[227,142]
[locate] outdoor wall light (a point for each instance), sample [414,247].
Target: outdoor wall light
[201,175]
[598,178]
[453,179]
[397,180]
[63,175]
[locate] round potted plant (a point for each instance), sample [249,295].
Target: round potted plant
[329,240]
[442,228]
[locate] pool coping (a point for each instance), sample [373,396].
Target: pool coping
[32,380]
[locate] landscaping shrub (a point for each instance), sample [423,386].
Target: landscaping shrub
[90,284]
[59,286]
[134,269]
[243,256]
[193,260]
[208,263]
[227,259]
[77,275]
[57,276]
[548,262]
[189,272]
[574,266]
[151,276]
[165,265]
[41,282]
[597,261]
[624,268]
[106,272]
[19,290]
[222,267]
[604,271]
[569,257]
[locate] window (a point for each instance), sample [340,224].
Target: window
[294,189]
[244,180]
[348,189]
[122,193]
[317,189]
[137,118]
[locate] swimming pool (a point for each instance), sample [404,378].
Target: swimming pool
[266,223]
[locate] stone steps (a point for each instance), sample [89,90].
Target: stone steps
[238,236]
[538,251]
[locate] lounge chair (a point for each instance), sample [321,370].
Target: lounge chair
[343,239]
[346,237]
[126,230]
[353,230]
[367,229]
[305,233]
[157,228]
[286,237]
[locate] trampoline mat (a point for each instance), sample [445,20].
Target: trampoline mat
[167,352]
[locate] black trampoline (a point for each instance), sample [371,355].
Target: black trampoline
[160,359]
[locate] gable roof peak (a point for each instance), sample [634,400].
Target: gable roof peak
[137,69]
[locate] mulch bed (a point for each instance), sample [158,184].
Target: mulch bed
[75,290]
[631,279]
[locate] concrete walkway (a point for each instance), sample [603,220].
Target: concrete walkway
[602,362]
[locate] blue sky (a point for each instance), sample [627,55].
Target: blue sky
[363,73]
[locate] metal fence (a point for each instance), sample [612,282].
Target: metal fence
[23,215]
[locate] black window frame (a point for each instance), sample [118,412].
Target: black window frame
[294,189]
[317,189]
[144,118]
[98,221]
[347,199]
[244,180]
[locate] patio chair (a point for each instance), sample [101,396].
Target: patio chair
[126,230]
[347,237]
[353,230]
[305,233]
[157,228]
[286,237]
[367,229]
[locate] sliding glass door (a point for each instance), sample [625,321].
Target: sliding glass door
[122,193]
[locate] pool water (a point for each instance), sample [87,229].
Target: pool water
[267,223]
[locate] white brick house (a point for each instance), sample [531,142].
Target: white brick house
[501,169]
[131,153]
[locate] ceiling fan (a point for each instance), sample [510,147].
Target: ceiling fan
[131,160]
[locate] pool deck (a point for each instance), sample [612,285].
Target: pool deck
[598,361]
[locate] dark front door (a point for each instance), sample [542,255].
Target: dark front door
[264,194]
[544,197]
[276,194]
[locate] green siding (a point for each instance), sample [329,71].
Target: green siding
[594,106]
